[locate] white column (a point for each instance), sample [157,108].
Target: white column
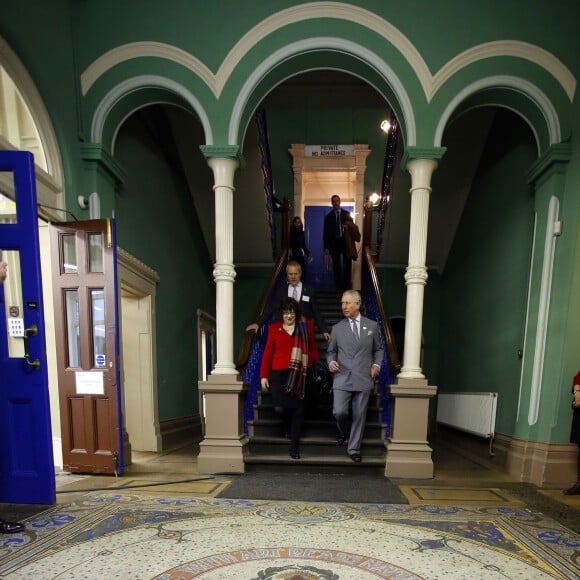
[224,272]
[416,274]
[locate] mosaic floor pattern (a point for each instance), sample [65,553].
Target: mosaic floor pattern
[136,535]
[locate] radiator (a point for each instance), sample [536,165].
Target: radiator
[470,412]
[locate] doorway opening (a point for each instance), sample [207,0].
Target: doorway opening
[316,179]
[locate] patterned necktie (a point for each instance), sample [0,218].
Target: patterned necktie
[355,329]
[295,293]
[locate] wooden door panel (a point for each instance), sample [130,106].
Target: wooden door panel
[86,327]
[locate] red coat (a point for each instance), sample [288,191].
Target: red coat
[276,355]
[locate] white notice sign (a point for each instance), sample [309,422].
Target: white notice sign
[328,150]
[89,383]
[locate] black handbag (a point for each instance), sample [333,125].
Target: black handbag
[318,378]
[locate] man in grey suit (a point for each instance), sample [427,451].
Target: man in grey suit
[354,356]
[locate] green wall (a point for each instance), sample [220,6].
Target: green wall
[484,286]
[157,223]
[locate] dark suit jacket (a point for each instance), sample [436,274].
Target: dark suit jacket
[329,230]
[308,306]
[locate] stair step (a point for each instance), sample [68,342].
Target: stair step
[320,453]
[321,429]
[312,446]
[313,464]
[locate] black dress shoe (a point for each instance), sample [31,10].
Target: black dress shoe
[574,490]
[294,453]
[356,457]
[10,527]
[341,439]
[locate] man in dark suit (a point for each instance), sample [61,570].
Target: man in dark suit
[354,356]
[335,245]
[304,295]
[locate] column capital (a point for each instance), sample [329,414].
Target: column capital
[223,151]
[554,160]
[412,153]
[97,154]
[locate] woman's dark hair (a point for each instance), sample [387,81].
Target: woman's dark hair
[288,304]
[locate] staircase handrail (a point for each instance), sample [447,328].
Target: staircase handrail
[393,355]
[249,335]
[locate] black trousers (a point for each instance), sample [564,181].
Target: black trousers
[293,420]
[341,265]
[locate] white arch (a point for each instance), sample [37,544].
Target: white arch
[140,82]
[35,104]
[336,44]
[134,50]
[274,22]
[430,83]
[515,48]
[505,81]
[335,10]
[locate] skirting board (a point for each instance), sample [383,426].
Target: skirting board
[179,432]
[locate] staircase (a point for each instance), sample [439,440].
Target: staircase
[319,450]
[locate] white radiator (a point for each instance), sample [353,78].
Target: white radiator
[471,412]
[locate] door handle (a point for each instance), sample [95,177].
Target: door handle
[30,331]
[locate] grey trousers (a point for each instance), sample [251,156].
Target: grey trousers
[343,403]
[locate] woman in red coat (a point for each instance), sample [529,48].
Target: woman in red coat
[290,349]
[575,431]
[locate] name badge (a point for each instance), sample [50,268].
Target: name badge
[306,298]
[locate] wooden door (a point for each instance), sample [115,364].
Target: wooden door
[87,343]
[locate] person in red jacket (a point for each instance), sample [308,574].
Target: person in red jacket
[575,431]
[289,352]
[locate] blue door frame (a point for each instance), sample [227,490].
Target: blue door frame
[26,458]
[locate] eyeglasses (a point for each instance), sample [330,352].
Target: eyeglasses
[349,303]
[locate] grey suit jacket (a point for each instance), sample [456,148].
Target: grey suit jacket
[355,357]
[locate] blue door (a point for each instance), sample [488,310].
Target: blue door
[319,271]
[26,461]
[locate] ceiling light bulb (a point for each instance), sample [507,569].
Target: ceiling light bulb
[385,126]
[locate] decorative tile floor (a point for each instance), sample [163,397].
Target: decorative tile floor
[135,535]
[421,494]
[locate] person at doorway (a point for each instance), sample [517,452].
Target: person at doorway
[335,244]
[575,431]
[290,349]
[303,294]
[8,527]
[354,357]
[298,249]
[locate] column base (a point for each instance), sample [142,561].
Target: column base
[225,443]
[408,460]
[222,456]
[408,452]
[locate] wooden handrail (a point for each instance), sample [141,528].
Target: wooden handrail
[246,346]
[387,330]
[370,262]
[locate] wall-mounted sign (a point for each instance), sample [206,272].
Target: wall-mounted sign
[89,383]
[328,150]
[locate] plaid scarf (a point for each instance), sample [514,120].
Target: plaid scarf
[298,364]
